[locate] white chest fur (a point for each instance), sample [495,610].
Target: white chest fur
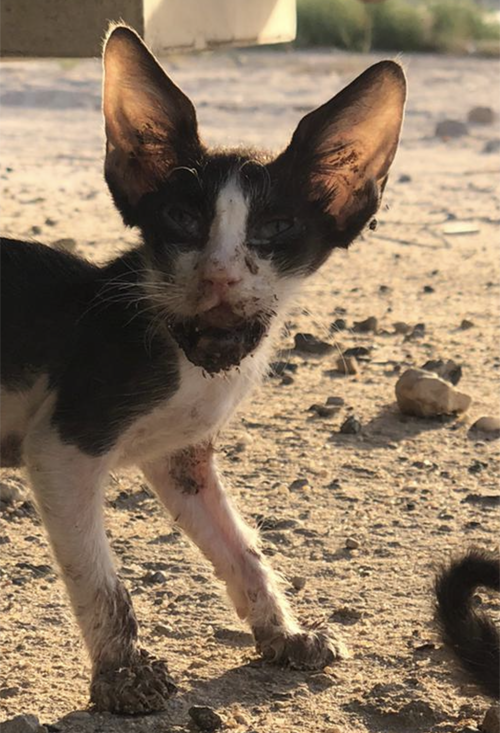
[199,408]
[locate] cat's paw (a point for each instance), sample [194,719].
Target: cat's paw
[143,686]
[304,650]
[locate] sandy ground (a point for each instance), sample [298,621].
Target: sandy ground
[401,488]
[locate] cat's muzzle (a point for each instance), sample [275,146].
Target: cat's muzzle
[217,341]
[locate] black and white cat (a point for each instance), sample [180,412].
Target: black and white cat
[142,361]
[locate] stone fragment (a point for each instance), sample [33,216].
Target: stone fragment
[309,344]
[401,327]
[448,370]
[447,129]
[466,324]
[336,401]
[487,424]
[351,426]
[324,410]
[492,146]
[339,324]
[205,718]
[67,244]
[298,582]
[481,116]
[347,365]
[351,543]
[369,325]
[424,394]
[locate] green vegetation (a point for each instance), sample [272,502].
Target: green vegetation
[449,26]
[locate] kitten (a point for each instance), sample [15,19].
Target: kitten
[142,361]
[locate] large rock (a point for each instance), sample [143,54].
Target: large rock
[424,394]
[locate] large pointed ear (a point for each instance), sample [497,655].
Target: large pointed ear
[343,150]
[151,125]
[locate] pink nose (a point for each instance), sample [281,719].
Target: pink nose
[220,281]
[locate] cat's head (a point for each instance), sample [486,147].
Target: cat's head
[229,235]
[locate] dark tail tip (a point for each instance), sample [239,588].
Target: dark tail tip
[469,634]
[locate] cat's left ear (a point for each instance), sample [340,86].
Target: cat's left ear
[151,125]
[341,152]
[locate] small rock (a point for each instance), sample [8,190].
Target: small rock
[12,491]
[417,332]
[50,222]
[6,692]
[351,543]
[298,582]
[401,327]
[481,116]
[361,353]
[489,425]
[424,394]
[351,426]
[451,128]
[205,718]
[298,484]
[482,500]
[35,230]
[334,400]
[404,178]
[23,724]
[466,324]
[448,370]
[309,344]
[491,721]
[153,578]
[477,466]
[339,324]
[429,289]
[279,368]
[347,365]
[162,630]
[492,146]
[324,410]
[370,324]
[287,379]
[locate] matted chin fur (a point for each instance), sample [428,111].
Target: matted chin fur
[217,349]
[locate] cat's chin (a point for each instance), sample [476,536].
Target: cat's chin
[218,348]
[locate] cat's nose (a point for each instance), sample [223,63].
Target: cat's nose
[221,281]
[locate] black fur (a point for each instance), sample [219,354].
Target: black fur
[81,326]
[470,634]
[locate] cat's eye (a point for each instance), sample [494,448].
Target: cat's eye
[184,220]
[270,230]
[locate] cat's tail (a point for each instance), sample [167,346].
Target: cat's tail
[470,635]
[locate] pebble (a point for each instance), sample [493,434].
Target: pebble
[347,365]
[423,394]
[162,630]
[339,324]
[448,370]
[12,491]
[298,484]
[417,332]
[351,426]
[451,128]
[466,324]
[309,344]
[279,368]
[153,578]
[361,353]
[401,327]
[334,400]
[205,718]
[324,410]
[6,692]
[298,582]
[352,544]
[67,244]
[492,146]
[487,424]
[23,724]
[404,178]
[369,325]
[491,721]
[481,116]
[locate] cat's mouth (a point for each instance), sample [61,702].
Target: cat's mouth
[218,339]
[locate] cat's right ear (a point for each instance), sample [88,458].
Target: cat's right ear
[151,125]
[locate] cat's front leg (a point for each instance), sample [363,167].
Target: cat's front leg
[68,485]
[190,487]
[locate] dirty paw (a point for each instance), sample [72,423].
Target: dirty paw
[304,650]
[143,686]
